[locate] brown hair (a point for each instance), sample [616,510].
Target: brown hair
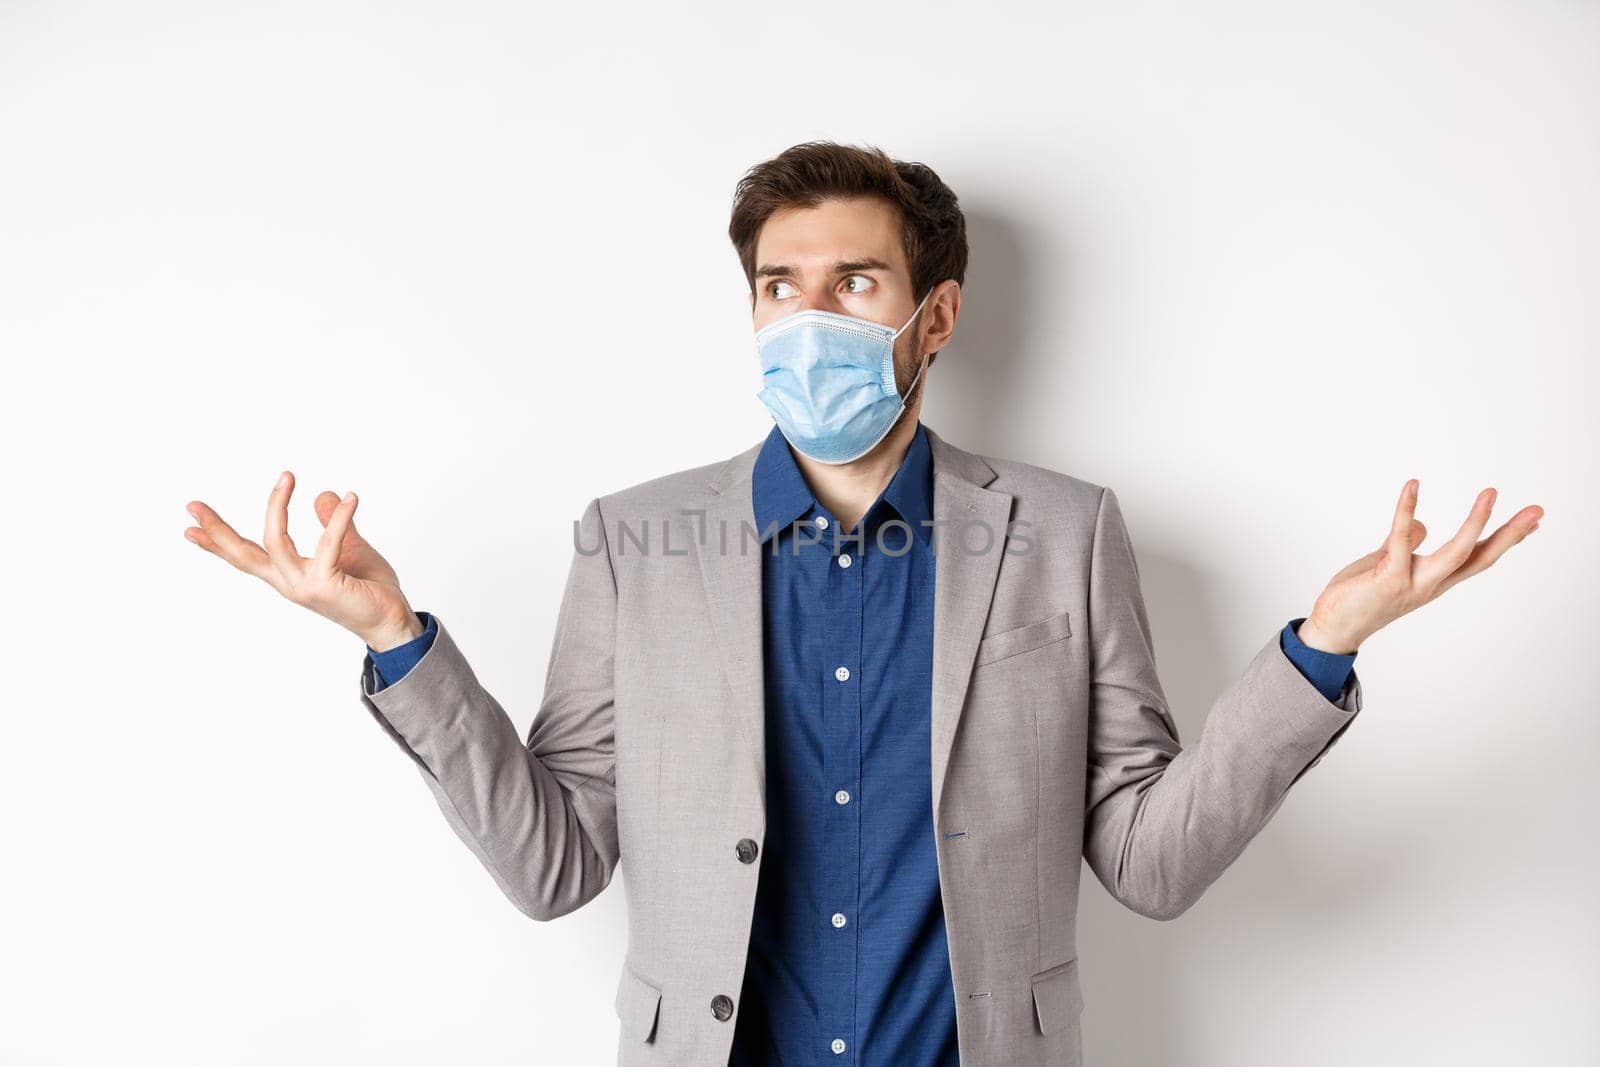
[934,232]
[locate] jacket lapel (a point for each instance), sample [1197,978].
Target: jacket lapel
[965,514]
[730,567]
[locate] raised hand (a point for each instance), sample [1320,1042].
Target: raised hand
[346,581]
[1392,581]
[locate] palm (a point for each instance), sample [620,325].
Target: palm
[1361,589]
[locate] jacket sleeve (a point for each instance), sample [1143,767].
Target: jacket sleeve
[1162,822]
[539,813]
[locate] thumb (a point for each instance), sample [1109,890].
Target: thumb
[326,504]
[326,501]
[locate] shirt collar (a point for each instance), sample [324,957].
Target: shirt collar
[780,495]
[778,491]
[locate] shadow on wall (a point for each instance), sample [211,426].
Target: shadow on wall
[981,374]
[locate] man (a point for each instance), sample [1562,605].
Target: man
[854,703]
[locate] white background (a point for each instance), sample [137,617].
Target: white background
[1252,265]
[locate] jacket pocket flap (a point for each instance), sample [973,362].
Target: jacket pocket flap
[1057,996]
[1025,638]
[636,1004]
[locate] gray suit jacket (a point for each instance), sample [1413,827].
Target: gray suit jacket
[1052,740]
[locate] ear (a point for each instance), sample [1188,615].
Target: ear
[946,294]
[752,301]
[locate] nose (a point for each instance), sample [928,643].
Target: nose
[824,301]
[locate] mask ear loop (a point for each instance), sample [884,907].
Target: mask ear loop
[906,399]
[914,315]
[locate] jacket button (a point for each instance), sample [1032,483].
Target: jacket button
[746,849]
[721,1007]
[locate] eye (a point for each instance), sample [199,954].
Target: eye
[772,290]
[867,283]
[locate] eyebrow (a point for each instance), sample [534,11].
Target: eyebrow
[843,266]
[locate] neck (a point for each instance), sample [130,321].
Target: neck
[848,489]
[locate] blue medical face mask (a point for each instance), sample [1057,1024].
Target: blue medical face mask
[828,380]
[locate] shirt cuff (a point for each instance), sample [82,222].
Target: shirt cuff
[391,665]
[1328,671]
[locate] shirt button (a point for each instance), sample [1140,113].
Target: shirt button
[844,559]
[842,796]
[721,1007]
[838,1045]
[842,673]
[838,920]
[746,850]
[822,522]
